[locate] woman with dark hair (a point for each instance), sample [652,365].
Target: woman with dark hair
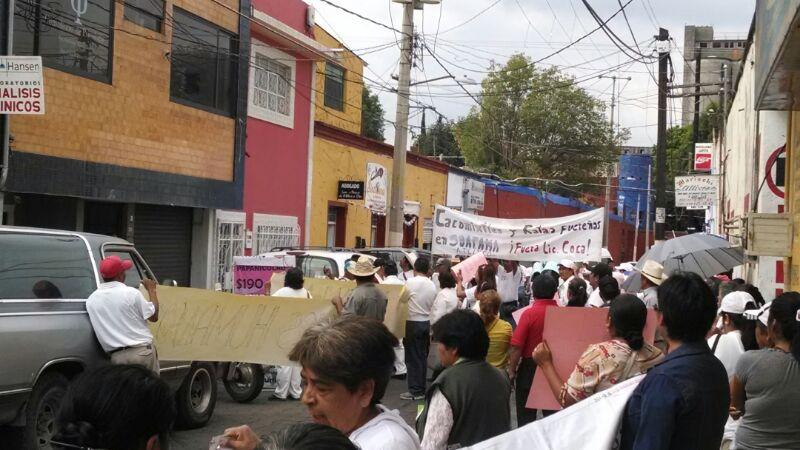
[115,407]
[766,386]
[608,289]
[485,280]
[605,364]
[499,330]
[468,402]
[576,293]
[446,299]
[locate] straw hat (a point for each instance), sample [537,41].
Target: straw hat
[653,271]
[363,267]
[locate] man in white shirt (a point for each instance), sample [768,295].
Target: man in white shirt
[407,266]
[422,292]
[509,279]
[119,316]
[390,270]
[566,273]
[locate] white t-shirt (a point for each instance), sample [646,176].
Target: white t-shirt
[119,314]
[422,292]
[289,292]
[562,291]
[508,284]
[470,298]
[595,301]
[446,300]
[386,431]
[392,279]
[729,350]
[405,276]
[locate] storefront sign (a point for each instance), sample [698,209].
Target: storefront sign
[21,85]
[351,190]
[376,189]
[702,157]
[577,237]
[475,192]
[696,191]
[252,274]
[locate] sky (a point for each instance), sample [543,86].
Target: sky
[470,37]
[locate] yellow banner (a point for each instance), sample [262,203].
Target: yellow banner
[202,325]
[396,309]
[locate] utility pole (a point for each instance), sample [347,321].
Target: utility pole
[401,127]
[614,100]
[696,117]
[6,48]
[647,206]
[636,231]
[661,147]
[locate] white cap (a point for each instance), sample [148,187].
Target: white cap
[736,302]
[625,267]
[568,263]
[760,314]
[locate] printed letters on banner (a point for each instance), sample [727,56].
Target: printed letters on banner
[376,189]
[578,237]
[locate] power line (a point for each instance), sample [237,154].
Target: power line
[481,12]
[353,13]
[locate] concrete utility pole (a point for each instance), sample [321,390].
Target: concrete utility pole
[6,48]
[661,147]
[401,127]
[614,99]
[647,206]
[696,117]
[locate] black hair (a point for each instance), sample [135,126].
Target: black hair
[294,278]
[446,278]
[365,279]
[463,330]
[688,307]
[354,257]
[601,270]
[756,294]
[379,262]
[422,265]
[783,313]
[739,281]
[609,288]
[545,287]
[576,293]
[552,274]
[390,268]
[747,328]
[116,407]
[628,316]
[308,436]
[487,276]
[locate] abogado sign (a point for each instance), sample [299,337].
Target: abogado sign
[351,190]
[696,191]
[21,85]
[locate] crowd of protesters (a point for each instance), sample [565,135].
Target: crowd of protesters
[724,371]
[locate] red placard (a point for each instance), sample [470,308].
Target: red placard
[702,162]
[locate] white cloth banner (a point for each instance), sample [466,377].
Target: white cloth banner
[578,237]
[590,424]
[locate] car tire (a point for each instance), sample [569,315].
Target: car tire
[248,382]
[197,397]
[42,409]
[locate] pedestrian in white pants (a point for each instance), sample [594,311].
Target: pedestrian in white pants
[289,381]
[390,270]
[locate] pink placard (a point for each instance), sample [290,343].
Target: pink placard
[569,331]
[469,267]
[253,280]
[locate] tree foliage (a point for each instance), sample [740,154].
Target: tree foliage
[439,140]
[372,124]
[536,123]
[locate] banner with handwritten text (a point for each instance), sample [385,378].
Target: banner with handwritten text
[578,237]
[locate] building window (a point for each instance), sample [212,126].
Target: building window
[203,64]
[716,44]
[229,242]
[272,78]
[703,45]
[70,35]
[334,87]
[145,13]
[331,236]
[274,231]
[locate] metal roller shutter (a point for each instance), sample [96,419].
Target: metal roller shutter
[163,235]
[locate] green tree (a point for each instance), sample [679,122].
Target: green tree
[440,141]
[372,124]
[537,123]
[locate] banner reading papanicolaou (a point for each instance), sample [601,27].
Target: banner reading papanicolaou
[578,237]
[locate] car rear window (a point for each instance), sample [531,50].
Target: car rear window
[47,267]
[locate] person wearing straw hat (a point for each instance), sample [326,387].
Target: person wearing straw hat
[366,299]
[652,275]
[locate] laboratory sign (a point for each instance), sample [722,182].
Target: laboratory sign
[21,85]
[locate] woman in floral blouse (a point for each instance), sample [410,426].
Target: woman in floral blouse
[605,364]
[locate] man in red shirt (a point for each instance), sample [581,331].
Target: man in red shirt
[526,337]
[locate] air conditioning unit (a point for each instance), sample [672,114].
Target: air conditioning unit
[310,16]
[768,235]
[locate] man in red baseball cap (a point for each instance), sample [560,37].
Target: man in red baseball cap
[119,315]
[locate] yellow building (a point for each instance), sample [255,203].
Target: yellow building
[341,156]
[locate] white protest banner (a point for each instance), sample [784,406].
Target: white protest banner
[578,237]
[696,191]
[590,424]
[376,189]
[252,274]
[21,85]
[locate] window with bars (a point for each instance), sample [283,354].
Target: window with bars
[230,242]
[274,231]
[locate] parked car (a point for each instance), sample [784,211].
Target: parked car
[315,262]
[47,339]
[396,253]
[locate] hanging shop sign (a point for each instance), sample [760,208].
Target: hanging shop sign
[351,190]
[696,191]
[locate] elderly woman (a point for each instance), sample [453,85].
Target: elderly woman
[468,402]
[499,330]
[346,365]
[604,364]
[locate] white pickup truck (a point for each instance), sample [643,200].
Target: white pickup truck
[46,338]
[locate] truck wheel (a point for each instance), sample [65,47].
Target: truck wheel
[196,397]
[41,411]
[247,382]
